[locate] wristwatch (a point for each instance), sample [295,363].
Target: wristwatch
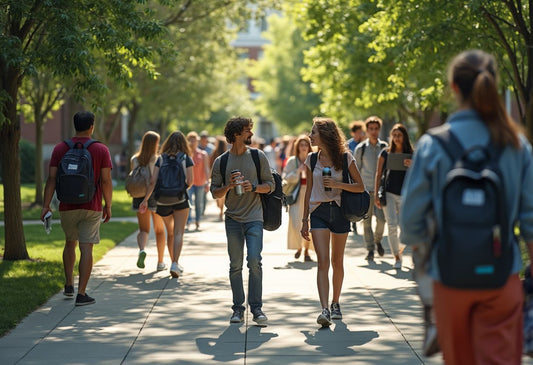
[254,187]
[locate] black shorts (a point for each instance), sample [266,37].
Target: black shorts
[329,215]
[152,204]
[166,210]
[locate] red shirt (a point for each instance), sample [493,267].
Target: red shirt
[101,159]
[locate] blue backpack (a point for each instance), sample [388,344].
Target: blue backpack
[474,249]
[171,186]
[75,176]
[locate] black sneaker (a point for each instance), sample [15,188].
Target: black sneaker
[259,316]
[69,291]
[336,311]
[84,300]
[370,256]
[237,316]
[324,319]
[381,250]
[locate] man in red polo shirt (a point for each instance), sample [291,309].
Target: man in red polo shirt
[81,222]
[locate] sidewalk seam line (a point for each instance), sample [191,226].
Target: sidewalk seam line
[394,324]
[144,322]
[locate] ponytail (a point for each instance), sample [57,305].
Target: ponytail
[474,72]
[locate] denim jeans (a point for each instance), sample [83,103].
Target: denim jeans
[199,198]
[237,233]
[371,238]
[392,215]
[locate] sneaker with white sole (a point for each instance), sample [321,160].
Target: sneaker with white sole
[259,316]
[161,266]
[324,319]
[237,316]
[398,264]
[140,260]
[336,311]
[174,271]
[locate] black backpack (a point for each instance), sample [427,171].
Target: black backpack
[171,186]
[75,175]
[272,203]
[474,249]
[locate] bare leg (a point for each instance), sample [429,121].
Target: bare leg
[85,266]
[159,229]
[144,229]
[338,243]
[169,225]
[69,259]
[321,241]
[180,219]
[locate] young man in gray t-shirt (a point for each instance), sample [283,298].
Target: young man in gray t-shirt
[244,214]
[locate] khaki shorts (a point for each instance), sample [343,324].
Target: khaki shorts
[81,225]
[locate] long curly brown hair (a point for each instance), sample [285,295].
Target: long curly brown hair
[333,140]
[175,143]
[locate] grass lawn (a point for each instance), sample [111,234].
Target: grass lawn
[121,202]
[25,285]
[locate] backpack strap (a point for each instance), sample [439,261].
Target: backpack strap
[345,171]
[257,163]
[448,141]
[71,144]
[313,160]
[224,165]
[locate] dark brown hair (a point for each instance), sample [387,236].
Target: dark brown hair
[235,126]
[406,146]
[474,73]
[333,140]
[175,143]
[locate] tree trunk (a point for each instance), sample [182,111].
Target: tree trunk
[15,242]
[38,158]
[132,120]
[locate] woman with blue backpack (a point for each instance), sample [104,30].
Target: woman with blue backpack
[474,176]
[172,176]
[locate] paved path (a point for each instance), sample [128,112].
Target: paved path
[142,316]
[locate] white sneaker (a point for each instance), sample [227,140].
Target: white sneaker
[161,266]
[398,264]
[174,271]
[180,269]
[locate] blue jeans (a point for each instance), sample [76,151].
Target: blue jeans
[237,233]
[199,198]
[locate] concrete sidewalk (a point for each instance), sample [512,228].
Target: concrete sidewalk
[142,316]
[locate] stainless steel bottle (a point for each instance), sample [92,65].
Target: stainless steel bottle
[238,188]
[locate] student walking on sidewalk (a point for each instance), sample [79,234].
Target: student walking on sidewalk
[322,201]
[81,222]
[244,214]
[481,323]
[175,215]
[147,156]
[366,156]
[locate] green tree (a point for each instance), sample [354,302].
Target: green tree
[284,97]
[41,95]
[381,55]
[67,37]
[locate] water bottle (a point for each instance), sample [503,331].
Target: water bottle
[47,222]
[326,171]
[238,188]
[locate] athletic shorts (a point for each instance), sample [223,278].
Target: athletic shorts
[81,225]
[152,204]
[166,210]
[329,215]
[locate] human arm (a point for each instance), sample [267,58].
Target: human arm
[267,184]
[356,186]
[379,171]
[49,191]
[107,192]
[218,188]
[153,180]
[305,217]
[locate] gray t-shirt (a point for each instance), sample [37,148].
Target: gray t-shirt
[247,207]
[367,162]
